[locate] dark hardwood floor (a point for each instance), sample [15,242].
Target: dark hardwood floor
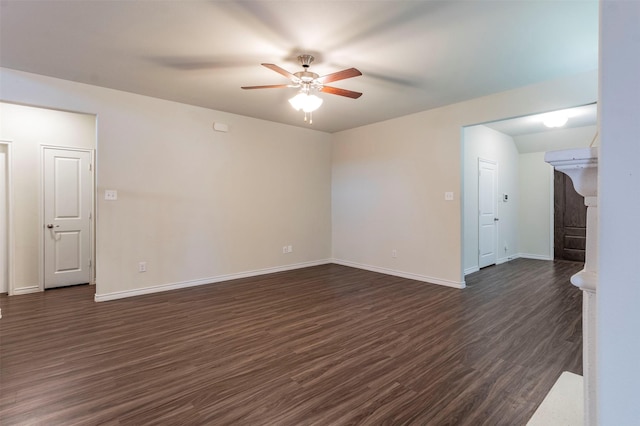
[327,345]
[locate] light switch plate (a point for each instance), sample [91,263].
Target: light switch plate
[448,196]
[111,195]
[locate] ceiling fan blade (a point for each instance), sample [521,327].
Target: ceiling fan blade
[341,92]
[280,71]
[268,86]
[340,75]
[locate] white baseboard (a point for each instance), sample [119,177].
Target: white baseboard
[26,290]
[507,259]
[471,270]
[211,280]
[409,275]
[535,256]
[184,284]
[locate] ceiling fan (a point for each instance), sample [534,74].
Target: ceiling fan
[308,82]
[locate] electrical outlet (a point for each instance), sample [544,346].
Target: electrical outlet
[142,267]
[290,249]
[285,250]
[394,253]
[111,195]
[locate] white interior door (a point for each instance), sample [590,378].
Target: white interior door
[487,192]
[4,220]
[68,198]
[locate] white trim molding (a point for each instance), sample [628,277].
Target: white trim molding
[26,290]
[402,274]
[506,259]
[471,270]
[10,242]
[192,283]
[535,256]
[212,280]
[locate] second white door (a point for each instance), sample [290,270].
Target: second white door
[68,200]
[487,215]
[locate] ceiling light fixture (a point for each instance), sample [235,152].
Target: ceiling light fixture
[555,119]
[306,102]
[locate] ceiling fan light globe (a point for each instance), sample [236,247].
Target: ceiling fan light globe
[305,102]
[311,103]
[297,102]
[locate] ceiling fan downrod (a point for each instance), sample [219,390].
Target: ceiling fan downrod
[305,60]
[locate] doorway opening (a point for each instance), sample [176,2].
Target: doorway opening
[525,184]
[33,130]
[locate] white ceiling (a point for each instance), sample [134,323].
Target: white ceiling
[581,116]
[414,55]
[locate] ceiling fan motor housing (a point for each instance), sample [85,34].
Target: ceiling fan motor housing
[306,76]
[305,60]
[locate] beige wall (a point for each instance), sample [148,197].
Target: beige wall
[536,207]
[199,206]
[389,181]
[29,129]
[196,205]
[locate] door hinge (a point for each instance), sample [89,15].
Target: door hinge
[90,216]
[89,263]
[90,166]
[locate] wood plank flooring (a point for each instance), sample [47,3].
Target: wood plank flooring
[327,345]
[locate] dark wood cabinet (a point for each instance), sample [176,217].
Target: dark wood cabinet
[570,220]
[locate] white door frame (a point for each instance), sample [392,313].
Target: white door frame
[92,226]
[9,204]
[552,201]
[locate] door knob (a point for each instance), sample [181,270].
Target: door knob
[50,225]
[495,219]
